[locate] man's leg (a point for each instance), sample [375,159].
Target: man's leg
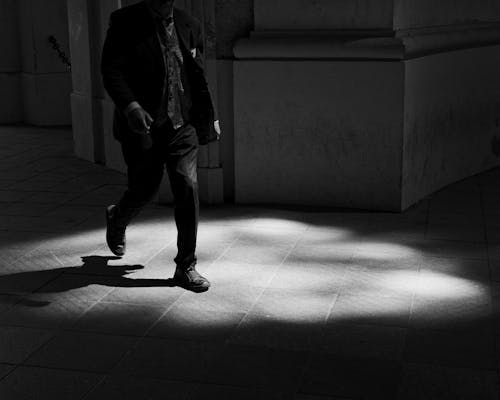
[145,172]
[181,163]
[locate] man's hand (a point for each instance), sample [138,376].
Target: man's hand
[217,129]
[139,120]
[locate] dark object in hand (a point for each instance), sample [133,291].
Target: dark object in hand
[139,121]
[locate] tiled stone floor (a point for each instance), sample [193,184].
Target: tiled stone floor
[304,305]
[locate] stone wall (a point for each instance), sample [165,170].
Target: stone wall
[10,64]
[38,84]
[452,117]
[365,104]
[425,13]
[323,14]
[332,137]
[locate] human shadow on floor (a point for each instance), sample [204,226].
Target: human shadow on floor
[94,271]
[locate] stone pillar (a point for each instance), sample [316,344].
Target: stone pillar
[81,97]
[92,109]
[112,152]
[46,81]
[366,103]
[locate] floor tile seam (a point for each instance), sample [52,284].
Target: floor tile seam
[37,173]
[259,296]
[101,247]
[57,333]
[21,163]
[15,367]
[79,195]
[8,211]
[485,232]
[448,364]
[237,387]
[56,204]
[467,333]
[24,151]
[452,240]
[429,241]
[69,326]
[158,252]
[454,212]
[175,380]
[46,283]
[131,303]
[303,235]
[89,391]
[30,252]
[226,250]
[53,183]
[198,382]
[31,217]
[18,181]
[476,230]
[104,247]
[152,326]
[53,334]
[51,252]
[370,324]
[72,329]
[247,312]
[42,231]
[47,157]
[54,368]
[322,334]
[408,320]
[448,367]
[85,219]
[20,299]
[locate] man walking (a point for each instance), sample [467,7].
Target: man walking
[152,69]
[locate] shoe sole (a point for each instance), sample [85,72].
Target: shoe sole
[196,289]
[116,253]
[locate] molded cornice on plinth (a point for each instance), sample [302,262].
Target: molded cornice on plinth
[365,44]
[419,42]
[319,45]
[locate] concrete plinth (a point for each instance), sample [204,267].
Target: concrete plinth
[452,114]
[372,112]
[301,137]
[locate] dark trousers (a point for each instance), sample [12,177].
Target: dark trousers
[177,151]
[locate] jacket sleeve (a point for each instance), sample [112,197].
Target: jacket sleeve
[200,49]
[113,65]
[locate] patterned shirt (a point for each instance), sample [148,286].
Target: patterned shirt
[173,90]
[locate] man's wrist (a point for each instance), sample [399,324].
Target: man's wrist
[131,107]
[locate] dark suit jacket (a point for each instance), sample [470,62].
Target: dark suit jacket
[133,68]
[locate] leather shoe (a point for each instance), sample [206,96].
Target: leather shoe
[190,279]
[115,235]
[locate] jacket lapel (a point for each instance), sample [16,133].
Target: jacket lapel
[151,39]
[182,26]
[183,29]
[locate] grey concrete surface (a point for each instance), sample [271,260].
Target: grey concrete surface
[305,304]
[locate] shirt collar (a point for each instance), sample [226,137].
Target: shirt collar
[156,14]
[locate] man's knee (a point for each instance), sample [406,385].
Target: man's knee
[185,190]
